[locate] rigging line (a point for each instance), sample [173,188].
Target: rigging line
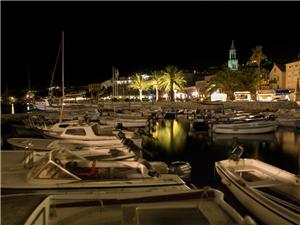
[52,77]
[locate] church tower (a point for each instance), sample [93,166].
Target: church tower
[232,62]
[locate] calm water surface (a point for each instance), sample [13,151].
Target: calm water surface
[172,141]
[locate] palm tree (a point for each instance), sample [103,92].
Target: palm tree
[172,79]
[156,82]
[258,56]
[139,83]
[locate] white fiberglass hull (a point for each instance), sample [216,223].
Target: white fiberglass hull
[268,211]
[245,128]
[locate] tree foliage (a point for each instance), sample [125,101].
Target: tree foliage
[139,83]
[258,56]
[172,79]
[245,79]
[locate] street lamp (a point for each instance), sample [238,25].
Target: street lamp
[12,100]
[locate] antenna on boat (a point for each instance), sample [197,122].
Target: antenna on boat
[236,153]
[63,76]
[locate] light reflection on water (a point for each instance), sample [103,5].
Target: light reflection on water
[172,141]
[171,135]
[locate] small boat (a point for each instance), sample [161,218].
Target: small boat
[125,122]
[87,132]
[156,206]
[269,137]
[288,121]
[45,144]
[90,152]
[62,169]
[39,144]
[245,127]
[270,193]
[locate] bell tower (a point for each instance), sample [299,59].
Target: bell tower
[232,62]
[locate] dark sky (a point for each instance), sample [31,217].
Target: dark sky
[137,37]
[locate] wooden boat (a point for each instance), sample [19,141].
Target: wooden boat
[245,127]
[146,206]
[62,169]
[270,193]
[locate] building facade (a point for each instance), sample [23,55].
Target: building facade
[277,77]
[292,74]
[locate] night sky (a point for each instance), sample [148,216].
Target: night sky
[137,37]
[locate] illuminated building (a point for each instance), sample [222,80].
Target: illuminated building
[232,62]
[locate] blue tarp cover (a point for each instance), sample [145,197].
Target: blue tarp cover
[281,92]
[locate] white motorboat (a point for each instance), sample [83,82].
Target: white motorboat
[44,144]
[40,144]
[155,206]
[270,193]
[269,137]
[62,169]
[245,127]
[87,132]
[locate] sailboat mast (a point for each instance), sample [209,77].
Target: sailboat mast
[28,77]
[62,76]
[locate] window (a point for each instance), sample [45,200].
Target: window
[76,131]
[64,125]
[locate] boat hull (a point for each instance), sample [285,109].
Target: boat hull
[262,208]
[245,128]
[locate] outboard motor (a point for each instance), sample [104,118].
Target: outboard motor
[182,169]
[120,135]
[236,153]
[120,126]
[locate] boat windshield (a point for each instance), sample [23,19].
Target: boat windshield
[53,171]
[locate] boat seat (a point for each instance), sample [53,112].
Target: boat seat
[91,171]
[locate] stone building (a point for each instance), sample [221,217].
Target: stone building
[292,74]
[277,77]
[285,76]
